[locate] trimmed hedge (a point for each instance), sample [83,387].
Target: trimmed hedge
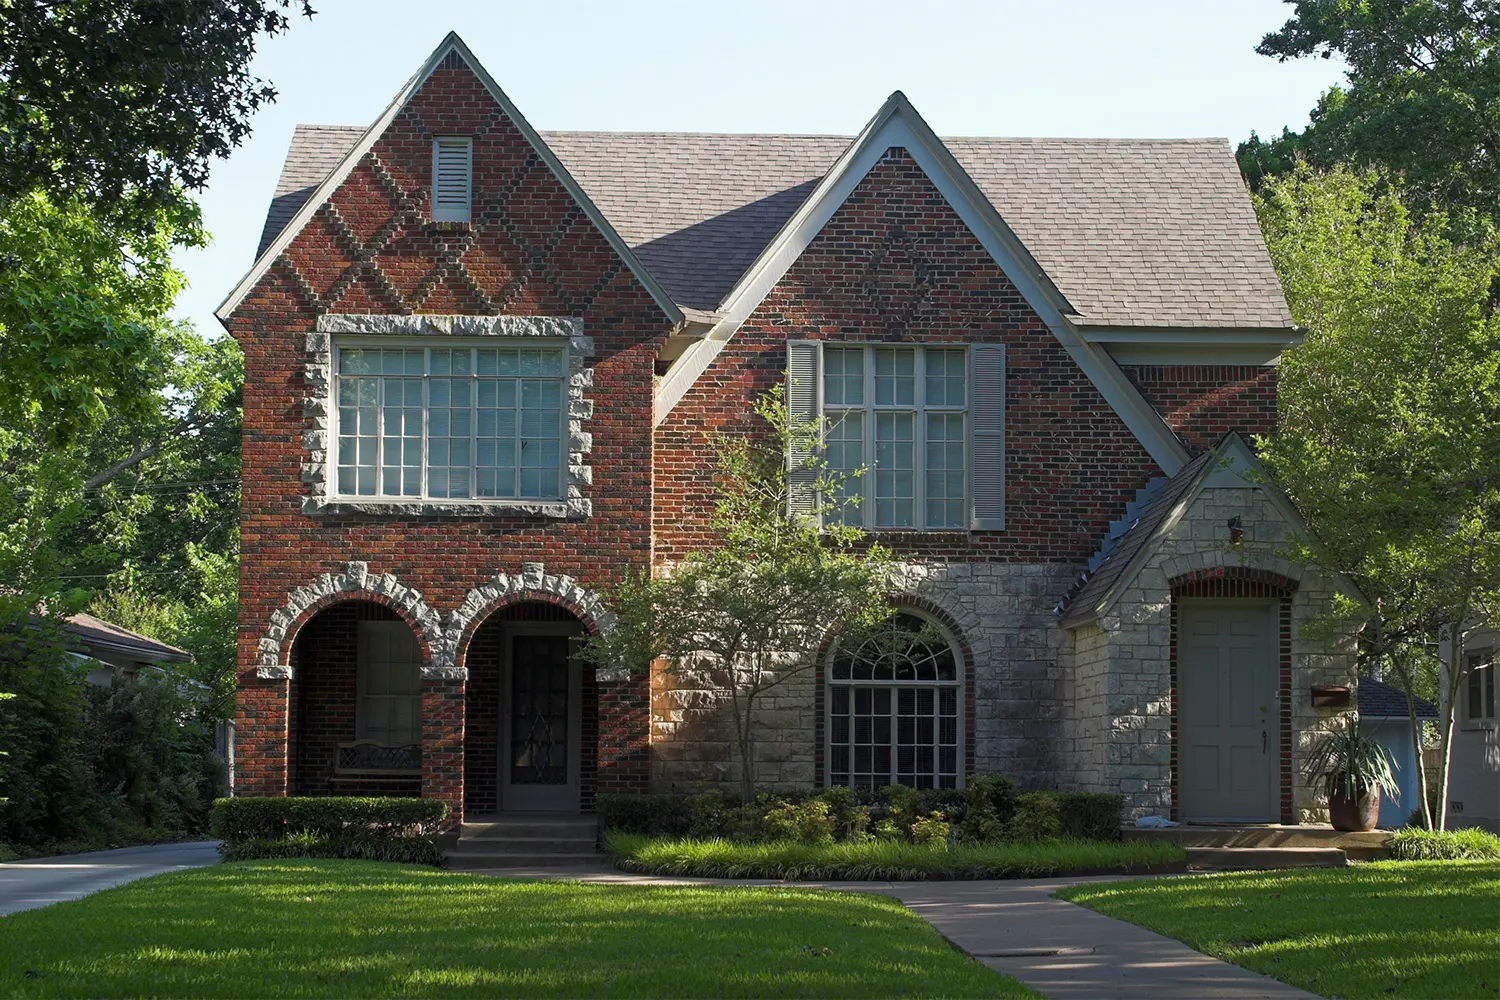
[364,829]
[1416,844]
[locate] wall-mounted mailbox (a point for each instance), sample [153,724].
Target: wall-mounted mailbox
[1330,696]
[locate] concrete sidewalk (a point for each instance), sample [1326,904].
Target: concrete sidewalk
[1019,928]
[25,885]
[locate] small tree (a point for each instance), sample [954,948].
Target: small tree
[751,613]
[1390,418]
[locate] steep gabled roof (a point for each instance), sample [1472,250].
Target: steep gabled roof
[1135,233]
[450,45]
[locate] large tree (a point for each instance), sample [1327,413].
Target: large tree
[749,614]
[125,104]
[1421,101]
[1390,415]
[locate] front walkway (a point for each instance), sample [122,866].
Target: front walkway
[1017,927]
[25,885]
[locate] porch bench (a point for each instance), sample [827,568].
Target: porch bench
[370,767]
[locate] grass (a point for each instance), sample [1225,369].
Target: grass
[1471,844]
[353,928]
[884,860]
[1388,929]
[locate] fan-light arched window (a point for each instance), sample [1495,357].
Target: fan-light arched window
[893,708]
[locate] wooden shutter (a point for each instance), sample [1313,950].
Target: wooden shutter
[452,178]
[804,396]
[987,444]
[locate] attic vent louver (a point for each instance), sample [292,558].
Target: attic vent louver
[452,178]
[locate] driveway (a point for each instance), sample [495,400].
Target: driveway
[25,885]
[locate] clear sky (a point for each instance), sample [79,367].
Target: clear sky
[1158,68]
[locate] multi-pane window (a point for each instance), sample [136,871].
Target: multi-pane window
[1481,699]
[900,414]
[389,683]
[450,422]
[893,709]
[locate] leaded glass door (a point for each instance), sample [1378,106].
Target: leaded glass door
[542,712]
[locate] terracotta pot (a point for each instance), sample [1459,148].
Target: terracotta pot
[1355,815]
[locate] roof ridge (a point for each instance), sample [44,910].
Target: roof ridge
[1105,139]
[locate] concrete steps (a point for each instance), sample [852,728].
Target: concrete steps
[525,840]
[1252,858]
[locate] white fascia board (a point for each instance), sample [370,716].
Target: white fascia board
[451,43]
[1281,336]
[898,124]
[1247,355]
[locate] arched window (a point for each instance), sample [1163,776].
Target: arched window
[893,708]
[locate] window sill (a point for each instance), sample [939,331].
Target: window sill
[575,508]
[1478,726]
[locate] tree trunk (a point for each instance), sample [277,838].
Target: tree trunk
[1455,675]
[1403,670]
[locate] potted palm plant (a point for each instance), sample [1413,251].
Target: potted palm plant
[1354,770]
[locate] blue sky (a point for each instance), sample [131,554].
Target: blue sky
[1007,67]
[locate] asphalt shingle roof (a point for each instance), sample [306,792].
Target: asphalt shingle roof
[1379,700]
[1135,232]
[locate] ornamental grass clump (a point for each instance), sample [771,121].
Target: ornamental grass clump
[1473,844]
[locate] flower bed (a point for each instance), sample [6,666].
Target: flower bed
[877,860]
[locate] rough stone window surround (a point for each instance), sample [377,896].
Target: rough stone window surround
[316,405]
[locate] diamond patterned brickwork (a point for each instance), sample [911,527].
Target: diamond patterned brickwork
[529,252]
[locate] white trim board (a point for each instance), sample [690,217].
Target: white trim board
[898,124]
[451,43]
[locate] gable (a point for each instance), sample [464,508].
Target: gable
[369,219]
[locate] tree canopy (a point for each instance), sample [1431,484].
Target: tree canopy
[1390,410]
[1422,99]
[124,104]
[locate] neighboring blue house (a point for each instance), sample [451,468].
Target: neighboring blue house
[1384,717]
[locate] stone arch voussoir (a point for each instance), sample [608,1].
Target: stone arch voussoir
[533,583]
[355,583]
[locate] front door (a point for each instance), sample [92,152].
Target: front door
[1227,713]
[541,706]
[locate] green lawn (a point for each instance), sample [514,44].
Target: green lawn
[347,928]
[1390,929]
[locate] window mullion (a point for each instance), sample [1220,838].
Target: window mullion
[426,410]
[379,435]
[473,423]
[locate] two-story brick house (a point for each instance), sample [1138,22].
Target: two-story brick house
[482,362]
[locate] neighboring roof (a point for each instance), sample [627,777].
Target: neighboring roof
[98,633]
[1096,586]
[1151,233]
[1379,700]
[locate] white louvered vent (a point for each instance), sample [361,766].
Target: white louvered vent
[804,379]
[452,178]
[987,381]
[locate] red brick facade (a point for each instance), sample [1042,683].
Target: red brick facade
[895,264]
[530,251]
[1201,403]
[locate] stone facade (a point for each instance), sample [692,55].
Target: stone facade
[1120,732]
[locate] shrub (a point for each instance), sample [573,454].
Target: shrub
[1470,844]
[365,829]
[1036,817]
[989,803]
[807,822]
[931,830]
[851,820]
[650,815]
[903,806]
[1089,815]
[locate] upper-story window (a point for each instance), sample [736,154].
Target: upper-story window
[926,424]
[450,422]
[1481,689]
[452,178]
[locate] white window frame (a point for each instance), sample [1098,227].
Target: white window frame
[427,345]
[920,408]
[453,213]
[852,684]
[1483,666]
